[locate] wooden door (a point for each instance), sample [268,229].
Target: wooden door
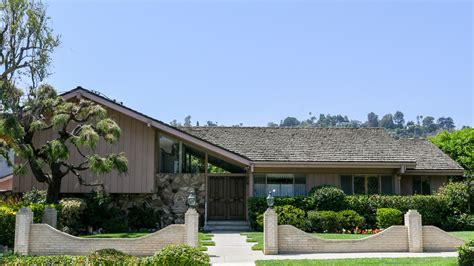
[226,198]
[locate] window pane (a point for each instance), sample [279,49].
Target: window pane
[282,183]
[346,184]
[373,185]
[425,186]
[416,185]
[169,155]
[300,185]
[387,185]
[193,160]
[259,187]
[359,185]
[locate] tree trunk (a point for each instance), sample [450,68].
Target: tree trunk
[54,189]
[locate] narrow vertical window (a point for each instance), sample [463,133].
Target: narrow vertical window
[346,184]
[359,184]
[387,185]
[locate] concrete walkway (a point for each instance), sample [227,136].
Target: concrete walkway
[232,249]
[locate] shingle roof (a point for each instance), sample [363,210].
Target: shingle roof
[305,144]
[427,155]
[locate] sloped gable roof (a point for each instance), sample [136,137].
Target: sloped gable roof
[305,144]
[427,155]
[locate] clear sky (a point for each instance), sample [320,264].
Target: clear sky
[252,62]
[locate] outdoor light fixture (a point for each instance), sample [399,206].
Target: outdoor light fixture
[270,199]
[192,200]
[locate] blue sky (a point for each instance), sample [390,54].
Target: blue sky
[252,62]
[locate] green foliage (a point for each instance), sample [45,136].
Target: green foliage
[456,195]
[71,211]
[350,219]
[34,196]
[288,214]
[7,226]
[140,217]
[327,222]
[100,213]
[328,198]
[459,222]
[387,217]
[459,145]
[110,257]
[258,205]
[433,208]
[179,255]
[466,254]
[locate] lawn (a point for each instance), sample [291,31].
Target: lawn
[373,261]
[205,240]
[257,237]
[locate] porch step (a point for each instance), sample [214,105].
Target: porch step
[235,226]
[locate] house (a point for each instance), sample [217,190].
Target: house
[226,165]
[6,176]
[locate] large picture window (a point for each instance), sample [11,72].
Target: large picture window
[285,185]
[367,184]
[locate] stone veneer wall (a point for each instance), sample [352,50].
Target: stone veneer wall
[169,188]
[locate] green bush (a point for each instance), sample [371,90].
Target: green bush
[42,260]
[466,254]
[456,195]
[106,257]
[7,226]
[291,215]
[349,219]
[71,211]
[179,255]
[432,207]
[328,198]
[329,222]
[100,213]
[459,222]
[143,217]
[34,196]
[387,217]
[258,205]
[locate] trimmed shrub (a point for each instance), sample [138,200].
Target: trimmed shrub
[258,205]
[387,217]
[349,219]
[288,214]
[459,222]
[143,217]
[466,254]
[327,198]
[101,214]
[34,196]
[328,222]
[432,208]
[7,226]
[179,255]
[71,211]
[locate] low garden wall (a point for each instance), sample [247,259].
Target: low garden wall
[412,237]
[44,239]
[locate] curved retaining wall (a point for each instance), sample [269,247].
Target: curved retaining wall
[293,240]
[46,240]
[435,240]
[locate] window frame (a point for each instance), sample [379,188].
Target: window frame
[293,176]
[366,182]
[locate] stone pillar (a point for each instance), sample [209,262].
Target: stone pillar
[191,223]
[50,216]
[24,219]
[270,232]
[415,231]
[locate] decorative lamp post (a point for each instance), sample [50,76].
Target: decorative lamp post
[270,199]
[192,200]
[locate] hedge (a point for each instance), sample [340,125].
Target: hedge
[433,208]
[387,217]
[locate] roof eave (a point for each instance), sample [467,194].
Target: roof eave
[287,164]
[449,172]
[81,92]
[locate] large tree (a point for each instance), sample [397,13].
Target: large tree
[26,43]
[372,120]
[77,127]
[459,145]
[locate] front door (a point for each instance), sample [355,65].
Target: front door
[226,198]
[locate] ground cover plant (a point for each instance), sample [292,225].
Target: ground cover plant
[170,255]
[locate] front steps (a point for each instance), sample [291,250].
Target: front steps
[227,225]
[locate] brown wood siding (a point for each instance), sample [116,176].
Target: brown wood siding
[314,180]
[137,142]
[436,182]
